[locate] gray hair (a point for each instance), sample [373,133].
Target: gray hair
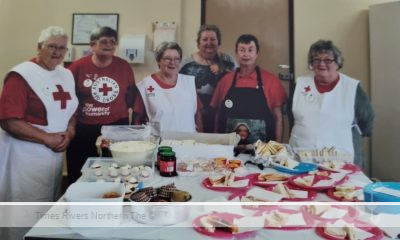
[101,32]
[211,28]
[162,47]
[51,31]
[325,46]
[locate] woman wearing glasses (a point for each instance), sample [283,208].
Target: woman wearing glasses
[167,98]
[105,86]
[37,109]
[329,108]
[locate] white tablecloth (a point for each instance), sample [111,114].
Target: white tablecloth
[130,229]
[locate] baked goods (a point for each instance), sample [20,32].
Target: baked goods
[229,179]
[306,180]
[276,219]
[333,164]
[289,163]
[213,222]
[222,179]
[317,210]
[180,196]
[270,148]
[111,195]
[283,190]
[272,177]
[348,192]
[217,179]
[220,162]
[337,231]
[140,197]
[235,163]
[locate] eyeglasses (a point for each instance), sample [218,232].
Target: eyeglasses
[107,42]
[169,60]
[317,61]
[54,48]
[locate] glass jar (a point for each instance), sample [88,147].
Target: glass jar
[167,164]
[160,150]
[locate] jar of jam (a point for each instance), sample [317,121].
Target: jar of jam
[168,164]
[160,150]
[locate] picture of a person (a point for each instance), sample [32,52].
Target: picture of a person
[244,146]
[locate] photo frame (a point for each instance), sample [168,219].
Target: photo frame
[84,23]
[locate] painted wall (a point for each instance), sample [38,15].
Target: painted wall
[22,20]
[345,22]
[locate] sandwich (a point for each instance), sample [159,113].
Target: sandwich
[284,190]
[336,232]
[217,179]
[206,224]
[306,180]
[229,179]
[318,210]
[213,222]
[276,219]
[340,229]
[348,192]
[272,177]
[289,163]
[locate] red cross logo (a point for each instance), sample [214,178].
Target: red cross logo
[61,96]
[150,89]
[307,89]
[105,89]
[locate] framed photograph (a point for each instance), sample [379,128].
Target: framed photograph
[84,23]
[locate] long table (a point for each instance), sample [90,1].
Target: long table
[130,229]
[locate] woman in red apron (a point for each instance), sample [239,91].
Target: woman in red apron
[249,95]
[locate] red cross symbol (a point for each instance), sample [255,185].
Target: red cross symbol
[105,89]
[61,96]
[150,89]
[307,89]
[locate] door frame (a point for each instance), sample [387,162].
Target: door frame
[288,109]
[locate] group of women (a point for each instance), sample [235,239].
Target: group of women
[207,92]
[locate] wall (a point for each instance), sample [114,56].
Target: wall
[22,20]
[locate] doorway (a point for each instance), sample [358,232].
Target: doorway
[271,21]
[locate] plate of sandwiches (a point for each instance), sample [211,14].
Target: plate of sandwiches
[292,193]
[291,166]
[279,218]
[346,193]
[348,230]
[227,225]
[339,166]
[330,213]
[317,182]
[226,182]
[269,179]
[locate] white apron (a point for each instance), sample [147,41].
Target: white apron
[31,172]
[323,120]
[174,108]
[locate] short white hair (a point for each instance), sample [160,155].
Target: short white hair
[52,31]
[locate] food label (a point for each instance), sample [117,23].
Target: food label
[167,167]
